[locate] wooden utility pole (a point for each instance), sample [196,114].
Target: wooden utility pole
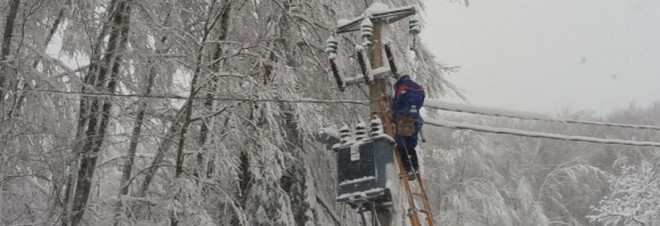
[377,89]
[376,92]
[377,82]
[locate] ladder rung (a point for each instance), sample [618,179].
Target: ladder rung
[410,211]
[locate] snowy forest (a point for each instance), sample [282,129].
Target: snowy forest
[204,112]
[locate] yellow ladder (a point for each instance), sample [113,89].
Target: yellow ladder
[412,214]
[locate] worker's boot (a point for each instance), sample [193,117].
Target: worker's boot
[412,175]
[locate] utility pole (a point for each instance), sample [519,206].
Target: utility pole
[376,92]
[377,89]
[375,73]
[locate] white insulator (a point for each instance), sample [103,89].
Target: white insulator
[376,127]
[367,28]
[360,131]
[345,134]
[415,25]
[376,133]
[329,50]
[331,45]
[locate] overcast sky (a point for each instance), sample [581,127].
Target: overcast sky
[548,55]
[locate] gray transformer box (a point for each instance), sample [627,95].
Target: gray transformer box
[363,169]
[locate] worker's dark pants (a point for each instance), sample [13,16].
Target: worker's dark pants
[407,149]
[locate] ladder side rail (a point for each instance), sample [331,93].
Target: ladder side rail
[425,198]
[389,129]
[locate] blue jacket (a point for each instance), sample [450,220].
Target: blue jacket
[408,98]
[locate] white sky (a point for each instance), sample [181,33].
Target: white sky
[549,55]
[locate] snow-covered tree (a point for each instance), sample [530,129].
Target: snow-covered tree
[185,112]
[634,198]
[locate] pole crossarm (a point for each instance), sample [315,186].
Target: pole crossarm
[387,16]
[393,15]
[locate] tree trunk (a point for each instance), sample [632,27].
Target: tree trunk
[6,47]
[212,88]
[163,147]
[132,149]
[244,183]
[2,185]
[4,71]
[209,26]
[175,127]
[18,103]
[137,130]
[99,108]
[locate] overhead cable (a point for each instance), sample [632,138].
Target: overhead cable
[523,133]
[177,97]
[465,108]
[429,103]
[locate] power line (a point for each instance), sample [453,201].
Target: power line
[464,108]
[523,133]
[177,97]
[430,103]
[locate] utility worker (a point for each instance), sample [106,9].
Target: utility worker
[408,100]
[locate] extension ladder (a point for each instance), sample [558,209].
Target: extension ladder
[411,191]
